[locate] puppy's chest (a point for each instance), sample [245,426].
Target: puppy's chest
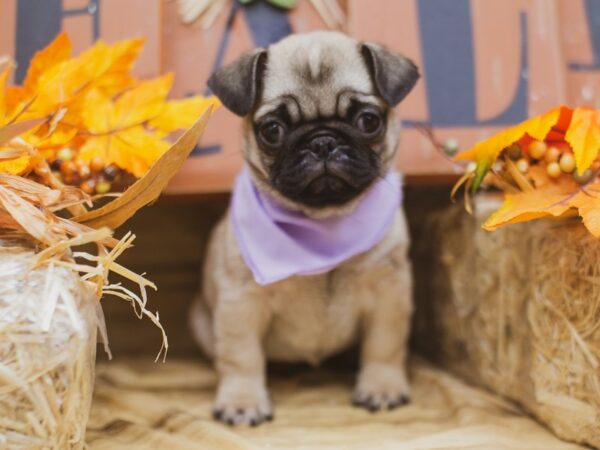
[311,320]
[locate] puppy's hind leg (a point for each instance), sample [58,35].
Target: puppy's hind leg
[242,397]
[382,380]
[201,326]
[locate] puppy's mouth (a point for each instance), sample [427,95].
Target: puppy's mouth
[327,189]
[325,184]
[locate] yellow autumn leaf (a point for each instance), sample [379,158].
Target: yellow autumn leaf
[133,149]
[587,202]
[106,65]
[536,127]
[583,135]
[57,51]
[105,68]
[10,130]
[486,152]
[15,166]
[93,105]
[545,192]
[529,205]
[99,114]
[117,77]
[147,189]
[143,102]
[116,129]
[60,137]
[16,101]
[28,101]
[56,87]
[63,81]
[117,134]
[19,99]
[3,110]
[19,163]
[181,114]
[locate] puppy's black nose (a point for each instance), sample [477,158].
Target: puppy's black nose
[322,145]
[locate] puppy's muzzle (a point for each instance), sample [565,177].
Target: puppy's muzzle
[327,148]
[327,151]
[322,146]
[324,167]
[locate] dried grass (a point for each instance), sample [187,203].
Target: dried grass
[49,294]
[518,311]
[49,314]
[47,354]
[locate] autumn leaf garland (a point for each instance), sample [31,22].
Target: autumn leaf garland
[92,105]
[547,166]
[82,126]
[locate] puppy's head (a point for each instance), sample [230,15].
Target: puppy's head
[319,121]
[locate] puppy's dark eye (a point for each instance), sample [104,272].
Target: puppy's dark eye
[369,123]
[272,132]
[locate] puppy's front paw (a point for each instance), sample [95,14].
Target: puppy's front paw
[381,386]
[242,401]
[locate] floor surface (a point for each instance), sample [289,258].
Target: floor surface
[140,405]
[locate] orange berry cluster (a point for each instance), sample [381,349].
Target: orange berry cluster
[558,160]
[93,178]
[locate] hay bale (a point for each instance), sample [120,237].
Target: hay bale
[48,328]
[518,311]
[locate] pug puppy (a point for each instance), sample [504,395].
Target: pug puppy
[320,135]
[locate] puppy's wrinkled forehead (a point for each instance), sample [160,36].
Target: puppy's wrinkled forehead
[315,75]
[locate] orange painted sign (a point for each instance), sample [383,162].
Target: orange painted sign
[485,65]
[29,25]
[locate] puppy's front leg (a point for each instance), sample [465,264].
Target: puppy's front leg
[242,397]
[382,381]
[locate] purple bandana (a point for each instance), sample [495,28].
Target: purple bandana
[277,243]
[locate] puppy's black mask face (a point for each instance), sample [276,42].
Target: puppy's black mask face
[322,162]
[318,106]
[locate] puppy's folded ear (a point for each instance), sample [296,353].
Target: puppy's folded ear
[394,75]
[238,84]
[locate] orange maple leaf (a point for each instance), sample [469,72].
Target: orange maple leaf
[588,206]
[21,98]
[486,152]
[583,135]
[547,197]
[54,81]
[12,160]
[107,67]
[57,51]
[93,105]
[3,109]
[116,131]
[181,114]
[529,205]
[549,202]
